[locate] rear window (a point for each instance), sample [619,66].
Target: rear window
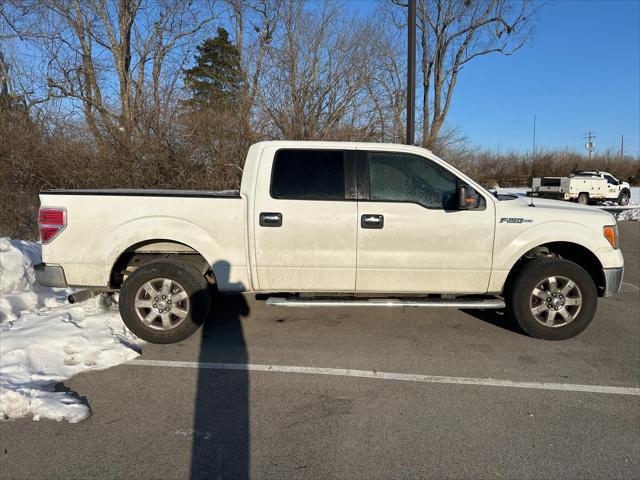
[308,175]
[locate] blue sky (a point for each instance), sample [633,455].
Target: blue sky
[581,71]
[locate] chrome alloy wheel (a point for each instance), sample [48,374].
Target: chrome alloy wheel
[556,301]
[162,304]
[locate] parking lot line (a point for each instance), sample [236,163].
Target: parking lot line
[406,377]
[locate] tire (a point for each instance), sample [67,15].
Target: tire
[531,291]
[178,315]
[583,199]
[623,199]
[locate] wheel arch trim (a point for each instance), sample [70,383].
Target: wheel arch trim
[541,236]
[149,230]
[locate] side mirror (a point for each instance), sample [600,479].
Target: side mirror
[468,198]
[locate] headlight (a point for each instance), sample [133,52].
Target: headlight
[610,232]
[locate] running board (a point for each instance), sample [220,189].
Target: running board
[479,303]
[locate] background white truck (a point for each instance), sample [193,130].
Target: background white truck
[583,187]
[331,223]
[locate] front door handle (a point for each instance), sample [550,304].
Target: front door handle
[270,219]
[372,221]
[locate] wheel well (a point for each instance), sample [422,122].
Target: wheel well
[567,250]
[140,253]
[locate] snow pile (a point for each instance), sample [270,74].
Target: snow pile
[630,214]
[18,289]
[517,191]
[45,340]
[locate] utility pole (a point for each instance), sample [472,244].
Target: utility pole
[411,74]
[622,147]
[589,137]
[533,150]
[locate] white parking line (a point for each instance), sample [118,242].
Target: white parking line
[406,377]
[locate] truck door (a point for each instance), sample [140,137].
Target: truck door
[305,225]
[612,186]
[411,236]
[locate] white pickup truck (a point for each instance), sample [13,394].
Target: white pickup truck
[583,187]
[332,224]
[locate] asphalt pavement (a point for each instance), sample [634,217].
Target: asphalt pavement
[166,418]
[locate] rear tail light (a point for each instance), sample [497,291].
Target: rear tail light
[51,221]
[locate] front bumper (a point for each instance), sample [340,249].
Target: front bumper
[612,280]
[50,275]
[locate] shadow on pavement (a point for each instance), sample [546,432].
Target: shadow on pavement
[497,318]
[221,420]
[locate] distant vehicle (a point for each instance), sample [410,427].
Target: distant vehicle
[583,187]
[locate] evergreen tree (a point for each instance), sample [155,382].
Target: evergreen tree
[216,79]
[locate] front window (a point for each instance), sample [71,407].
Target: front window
[399,177]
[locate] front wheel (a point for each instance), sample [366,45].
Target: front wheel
[164,301]
[623,199]
[552,299]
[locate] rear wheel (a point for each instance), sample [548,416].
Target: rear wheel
[623,199]
[164,301]
[552,299]
[583,199]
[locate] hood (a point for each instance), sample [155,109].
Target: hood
[558,204]
[546,210]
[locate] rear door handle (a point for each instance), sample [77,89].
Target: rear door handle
[369,220]
[270,219]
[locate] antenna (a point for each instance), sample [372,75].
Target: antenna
[590,145]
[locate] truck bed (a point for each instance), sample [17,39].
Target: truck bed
[147,193]
[101,225]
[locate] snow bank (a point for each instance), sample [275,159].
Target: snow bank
[630,214]
[45,340]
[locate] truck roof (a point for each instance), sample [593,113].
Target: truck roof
[593,173]
[341,145]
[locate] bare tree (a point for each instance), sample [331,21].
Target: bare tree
[120,60]
[254,23]
[454,32]
[387,91]
[315,73]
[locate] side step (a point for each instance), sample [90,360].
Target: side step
[479,303]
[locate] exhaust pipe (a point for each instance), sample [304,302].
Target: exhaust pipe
[81,296]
